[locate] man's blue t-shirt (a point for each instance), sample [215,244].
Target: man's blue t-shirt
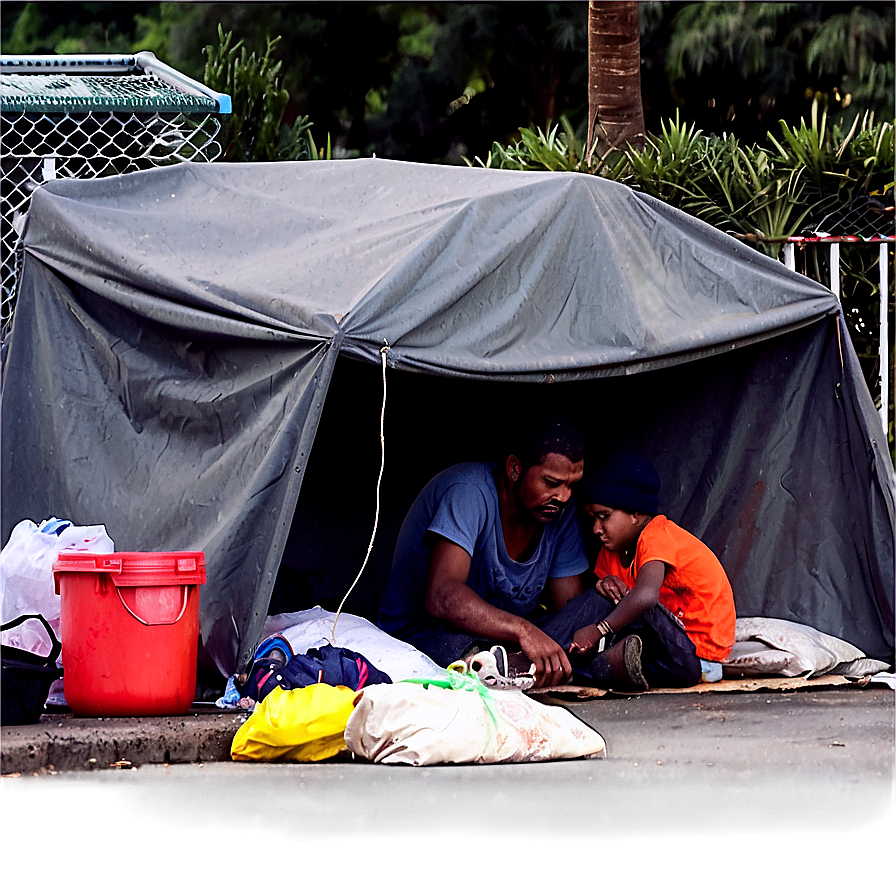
[461,504]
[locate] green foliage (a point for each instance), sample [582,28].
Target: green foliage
[743,66]
[842,169]
[71,28]
[157,31]
[705,35]
[418,31]
[670,165]
[733,186]
[848,169]
[254,131]
[539,151]
[435,81]
[765,193]
[551,150]
[840,163]
[857,42]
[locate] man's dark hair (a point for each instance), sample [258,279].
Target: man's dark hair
[535,440]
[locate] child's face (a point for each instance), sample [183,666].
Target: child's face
[617,529]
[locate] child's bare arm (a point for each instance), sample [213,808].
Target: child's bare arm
[644,595]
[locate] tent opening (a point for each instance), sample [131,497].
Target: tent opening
[720,430]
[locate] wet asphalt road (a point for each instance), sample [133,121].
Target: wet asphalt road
[728,792]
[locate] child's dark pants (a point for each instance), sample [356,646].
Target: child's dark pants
[668,659]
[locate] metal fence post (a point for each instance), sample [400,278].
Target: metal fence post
[789,256]
[884,342]
[835,270]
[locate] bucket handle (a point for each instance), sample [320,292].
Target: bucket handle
[183,609]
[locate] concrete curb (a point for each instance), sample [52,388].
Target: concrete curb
[61,742]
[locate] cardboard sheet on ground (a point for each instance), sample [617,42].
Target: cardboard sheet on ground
[570,693]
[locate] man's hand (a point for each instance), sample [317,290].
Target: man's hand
[449,598]
[585,639]
[552,666]
[612,587]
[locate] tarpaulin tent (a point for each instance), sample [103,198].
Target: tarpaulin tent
[195,363]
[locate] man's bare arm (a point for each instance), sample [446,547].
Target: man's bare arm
[563,590]
[449,598]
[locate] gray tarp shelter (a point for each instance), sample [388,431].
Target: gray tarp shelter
[195,363]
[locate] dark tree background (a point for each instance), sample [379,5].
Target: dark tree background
[440,81]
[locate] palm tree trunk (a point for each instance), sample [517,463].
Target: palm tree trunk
[615,113]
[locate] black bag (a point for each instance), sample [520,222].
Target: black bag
[25,677]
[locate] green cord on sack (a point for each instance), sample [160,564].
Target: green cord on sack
[458,681]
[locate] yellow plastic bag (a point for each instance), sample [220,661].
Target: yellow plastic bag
[302,725]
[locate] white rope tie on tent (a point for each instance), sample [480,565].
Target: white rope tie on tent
[379,481]
[840,345]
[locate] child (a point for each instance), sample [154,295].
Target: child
[670,605]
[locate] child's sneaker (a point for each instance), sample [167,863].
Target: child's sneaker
[276,647]
[272,651]
[498,669]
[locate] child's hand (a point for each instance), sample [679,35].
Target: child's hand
[612,587]
[584,639]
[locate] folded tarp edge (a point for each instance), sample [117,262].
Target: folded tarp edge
[588,368]
[249,637]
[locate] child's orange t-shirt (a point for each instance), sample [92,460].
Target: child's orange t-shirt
[696,589]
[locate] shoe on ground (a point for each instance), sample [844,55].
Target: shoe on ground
[625,665]
[498,669]
[275,648]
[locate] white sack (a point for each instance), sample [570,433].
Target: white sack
[768,646]
[410,724]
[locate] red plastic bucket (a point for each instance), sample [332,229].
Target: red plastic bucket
[129,629]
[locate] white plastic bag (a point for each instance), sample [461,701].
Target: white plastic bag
[305,629]
[26,575]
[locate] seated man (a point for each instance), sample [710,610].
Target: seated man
[482,545]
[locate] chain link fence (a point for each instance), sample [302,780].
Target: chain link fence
[86,117]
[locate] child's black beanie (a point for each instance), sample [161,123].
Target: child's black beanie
[622,480]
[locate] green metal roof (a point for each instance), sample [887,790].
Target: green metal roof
[42,84]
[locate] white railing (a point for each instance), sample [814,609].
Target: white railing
[884,243]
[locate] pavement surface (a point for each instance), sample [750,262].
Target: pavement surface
[762,789]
